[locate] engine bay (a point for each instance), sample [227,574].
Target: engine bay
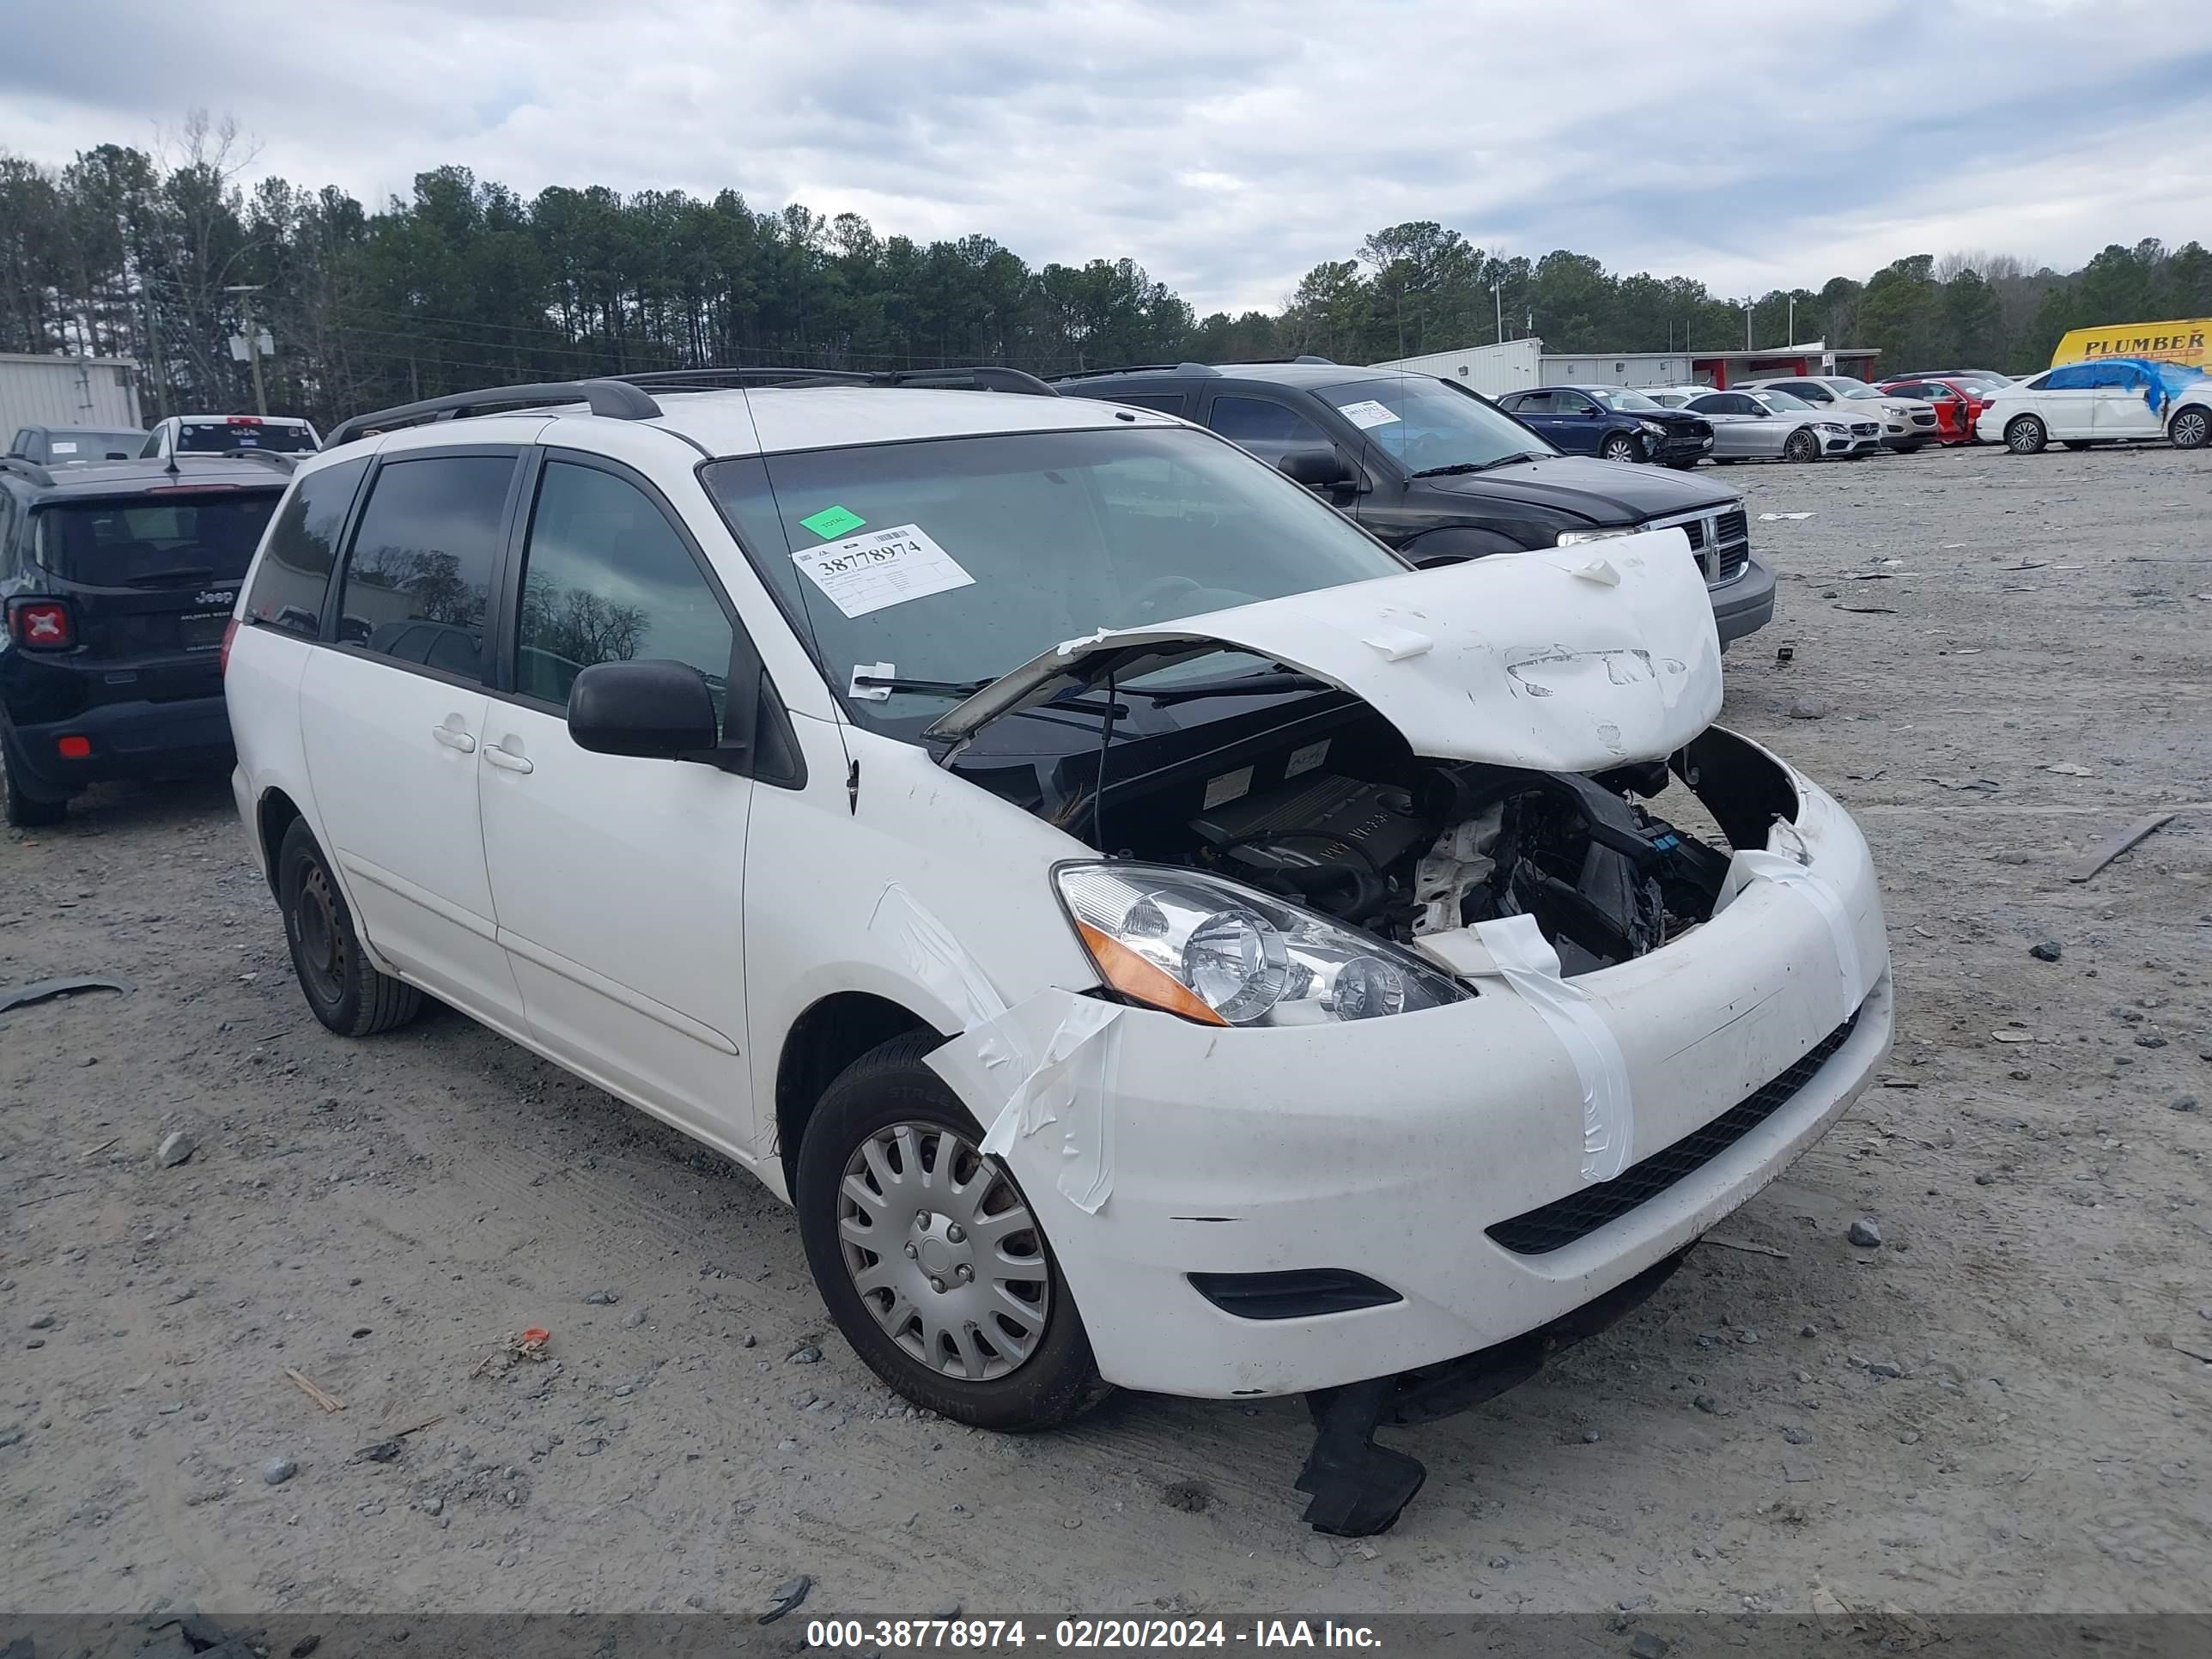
[1356,827]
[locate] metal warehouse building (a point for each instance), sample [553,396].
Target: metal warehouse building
[1495,369]
[97,392]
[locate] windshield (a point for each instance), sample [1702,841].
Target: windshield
[1422,423]
[243,432]
[1620,397]
[1844,386]
[80,444]
[1778,399]
[955,560]
[144,542]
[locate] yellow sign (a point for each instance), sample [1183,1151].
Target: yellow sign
[2181,342]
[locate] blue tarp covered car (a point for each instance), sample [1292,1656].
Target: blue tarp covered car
[2159,383]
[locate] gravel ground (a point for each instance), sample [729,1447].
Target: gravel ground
[2004,1406]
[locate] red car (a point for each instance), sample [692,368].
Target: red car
[1958,402]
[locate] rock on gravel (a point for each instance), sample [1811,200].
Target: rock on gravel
[788,1595]
[177,1146]
[1644,1645]
[1320,1552]
[2047,950]
[278,1470]
[1865,1232]
[809,1355]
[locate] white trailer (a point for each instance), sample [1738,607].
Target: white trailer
[1492,370]
[94,391]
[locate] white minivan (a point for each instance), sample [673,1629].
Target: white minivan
[1152,935]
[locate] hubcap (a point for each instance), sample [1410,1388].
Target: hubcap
[322,940]
[2190,429]
[2023,436]
[944,1252]
[1619,449]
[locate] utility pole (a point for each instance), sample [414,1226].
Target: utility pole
[1747,324]
[1498,294]
[253,342]
[1793,319]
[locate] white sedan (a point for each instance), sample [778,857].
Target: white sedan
[2111,400]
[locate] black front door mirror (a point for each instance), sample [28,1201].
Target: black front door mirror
[653,710]
[1317,469]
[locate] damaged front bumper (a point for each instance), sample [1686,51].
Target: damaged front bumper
[1424,1182]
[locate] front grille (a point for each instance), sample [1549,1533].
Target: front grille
[1731,561]
[1731,537]
[1560,1223]
[1865,430]
[1924,420]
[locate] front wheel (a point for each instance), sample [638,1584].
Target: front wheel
[2024,435]
[927,1255]
[2190,427]
[1801,446]
[1620,447]
[345,990]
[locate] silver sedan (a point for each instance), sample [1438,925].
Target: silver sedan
[1775,426]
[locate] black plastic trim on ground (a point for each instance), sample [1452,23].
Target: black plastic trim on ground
[1555,1226]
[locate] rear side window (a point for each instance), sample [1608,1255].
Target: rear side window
[242,432]
[155,541]
[608,579]
[295,572]
[420,576]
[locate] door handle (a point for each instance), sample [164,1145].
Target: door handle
[506,758]
[454,739]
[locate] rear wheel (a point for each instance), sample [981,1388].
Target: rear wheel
[1802,445]
[18,809]
[928,1255]
[2190,427]
[1620,447]
[2024,435]
[344,989]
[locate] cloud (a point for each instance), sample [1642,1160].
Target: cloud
[1226,147]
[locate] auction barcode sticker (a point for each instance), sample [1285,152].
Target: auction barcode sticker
[863,573]
[1368,413]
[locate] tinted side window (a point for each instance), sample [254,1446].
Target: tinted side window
[295,572]
[1255,420]
[6,532]
[420,571]
[607,579]
[1167,403]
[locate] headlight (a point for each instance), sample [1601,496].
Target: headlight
[1652,428]
[1833,426]
[1569,537]
[1222,954]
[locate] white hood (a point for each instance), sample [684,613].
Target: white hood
[1570,660]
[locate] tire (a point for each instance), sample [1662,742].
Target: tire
[1620,447]
[889,1127]
[345,990]
[2024,435]
[1801,446]
[1685,466]
[2191,427]
[18,809]
[2077,443]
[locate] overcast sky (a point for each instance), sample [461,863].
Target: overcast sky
[1227,149]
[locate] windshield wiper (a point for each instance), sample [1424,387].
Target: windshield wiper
[957,689]
[1476,466]
[1265,683]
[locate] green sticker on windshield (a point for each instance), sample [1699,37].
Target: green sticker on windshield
[834,521]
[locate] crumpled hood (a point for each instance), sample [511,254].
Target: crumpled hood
[1566,659]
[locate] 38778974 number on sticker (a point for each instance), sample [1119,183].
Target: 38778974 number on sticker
[881,568]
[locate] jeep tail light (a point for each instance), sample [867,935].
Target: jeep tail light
[40,624]
[222,659]
[74,747]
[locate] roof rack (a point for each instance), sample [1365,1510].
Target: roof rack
[612,398]
[1188,368]
[985,377]
[29,469]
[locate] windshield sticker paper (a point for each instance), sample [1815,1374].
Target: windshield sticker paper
[833,521]
[865,574]
[1367,414]
[61,448]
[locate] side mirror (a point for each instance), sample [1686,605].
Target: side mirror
[653,710]
[1317,469]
